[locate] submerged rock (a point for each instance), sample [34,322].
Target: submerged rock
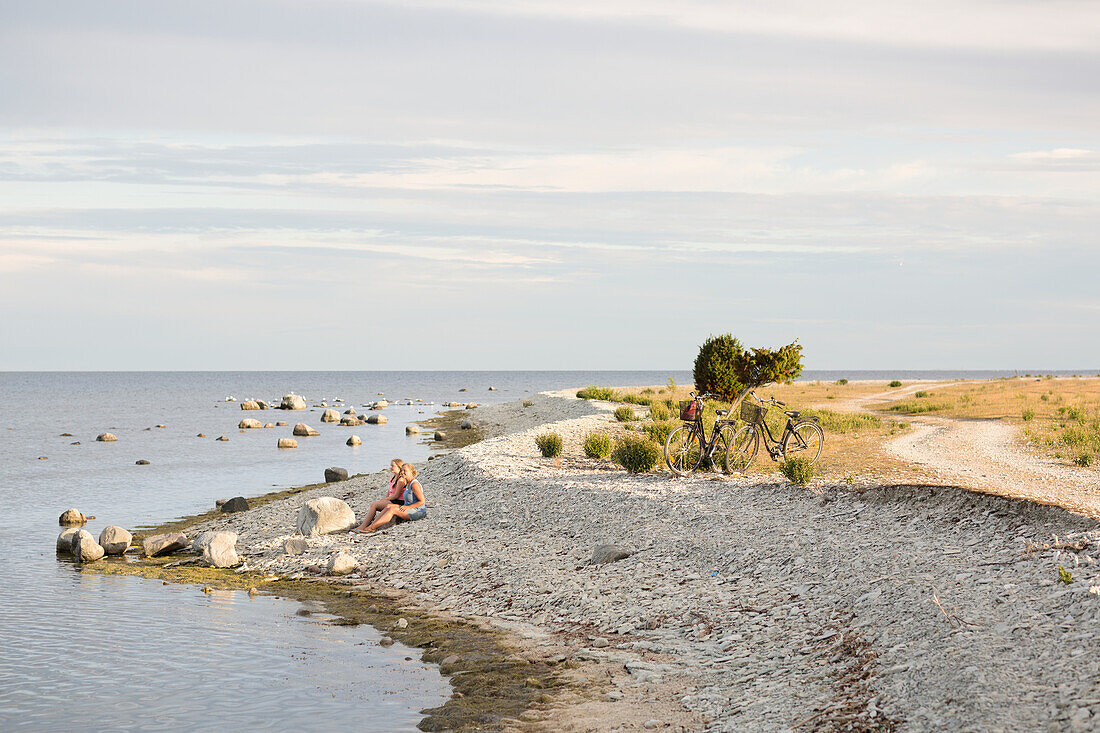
[106,437]
[288,443]
[281,423]
[302,429]
[439,435]
[236,504]
[141,462]
[324,515]
[350,411]
[334,474]
[378,419]
[72,516]
[115,540]
[355,440]
[222,438]
[163,544]
[293,402]
[466,425]
[380,405]
[330,415]
[249,423]
[85,548]
[412,429]
[250,405]
[350,421]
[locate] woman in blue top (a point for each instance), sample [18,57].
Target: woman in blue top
[412,506]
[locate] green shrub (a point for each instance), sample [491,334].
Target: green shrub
[528,403]
[842,382]
[1084,460]
[634,399]
[660,430]
[625,413]
[549,444]
[659,411]
[916,408]
[798,470]
[1044,397]
[921,393]
[636,453]
[715,367]
[597,445]
[895,383]
[1064,576]
[647,390]
[592,392]
[1028,414]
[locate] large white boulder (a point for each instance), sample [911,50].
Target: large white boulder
[85,548]
[324,515]
[218,548]
[115,540]
[293,402]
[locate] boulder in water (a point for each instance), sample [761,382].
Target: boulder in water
[72,517]
[222,439]
[85,548]
[439,435]
[355,440]
[249,423]
[163,544]
[65,539]
[250,405]
[302,429]
[335,474]
[115,540]
[288,443]
[324,515]
[281,423]
[293,402]
[350,421]
[330,415]
[466,425]
[106,437]
[412,429]
[380,405]
[378,420]
[236,504]
[350,411]
[141,462]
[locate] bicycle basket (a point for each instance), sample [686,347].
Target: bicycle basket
[753,414]
[689,410]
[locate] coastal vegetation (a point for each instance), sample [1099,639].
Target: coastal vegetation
[549,444]
[592,392]
[798,470]
[597,445]
[723,367]
[636,453]
[625,413]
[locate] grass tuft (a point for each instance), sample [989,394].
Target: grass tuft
[625,413]
[798,470]
[592,392]
[597,445]
[550,444]
[636,453]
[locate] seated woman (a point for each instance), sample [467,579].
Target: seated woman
[412,506]
[393,494]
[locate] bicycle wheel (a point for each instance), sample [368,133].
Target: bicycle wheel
[742,450]
[719,454]
[805,439]
[683,452]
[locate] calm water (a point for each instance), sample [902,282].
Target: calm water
[80,649]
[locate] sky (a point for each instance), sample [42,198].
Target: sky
[537,184]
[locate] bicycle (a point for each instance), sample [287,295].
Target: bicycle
[801,435]
[687,445]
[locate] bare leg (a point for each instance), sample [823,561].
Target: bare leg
[375,507]
[393,510]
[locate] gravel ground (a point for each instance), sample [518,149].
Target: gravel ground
[746,605]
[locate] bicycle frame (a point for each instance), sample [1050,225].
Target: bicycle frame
[773,446]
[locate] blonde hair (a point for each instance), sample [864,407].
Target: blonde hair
[399,463]
[411,467]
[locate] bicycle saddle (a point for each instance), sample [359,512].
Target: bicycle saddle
[792,414]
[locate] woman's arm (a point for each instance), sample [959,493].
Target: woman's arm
[398,488]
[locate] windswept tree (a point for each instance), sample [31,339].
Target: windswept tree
[725,368]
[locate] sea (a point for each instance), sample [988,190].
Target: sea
[80,649]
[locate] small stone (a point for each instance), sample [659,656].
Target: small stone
[350,411]
[385,641]
[222,438]
[341,563]
[330,415]
[281,424]
[141,462]
[269,425]
[250,405]
[453,659]
[412,429]
[377,420]
[219,549]
[201,435]
[601,643]
[651,724]
[439,435]
[106,437]
[402,623]
[335,474]
[288,443]
[354,440]
[160,426]
[249,423]
[466,425]
[608,553]
[295,546]
[236,504]
[253,591]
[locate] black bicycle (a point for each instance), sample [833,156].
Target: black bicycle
[687,446]
[802,436]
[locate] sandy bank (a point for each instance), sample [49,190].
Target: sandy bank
[748,605]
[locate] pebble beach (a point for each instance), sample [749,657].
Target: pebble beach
[741,604]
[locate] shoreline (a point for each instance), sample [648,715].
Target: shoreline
[745,604]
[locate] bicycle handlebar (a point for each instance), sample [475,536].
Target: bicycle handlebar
[770,400]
